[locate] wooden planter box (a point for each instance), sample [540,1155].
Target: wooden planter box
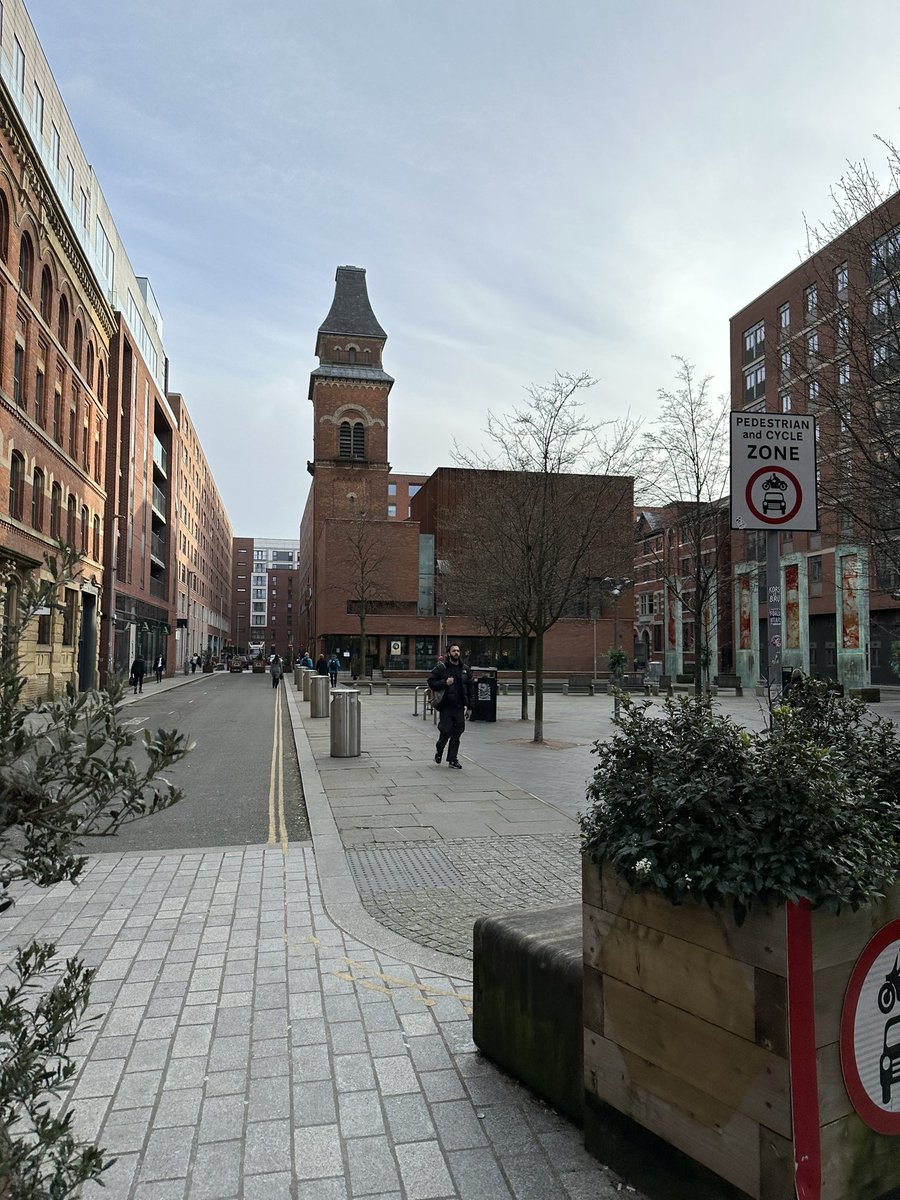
[686,1034]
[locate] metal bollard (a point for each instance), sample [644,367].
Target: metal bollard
[345,723]
[304,682]
[319,688]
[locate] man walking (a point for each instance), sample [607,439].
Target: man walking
[160,667]
[454,679]
[138,670]
[333,667]
[276,670]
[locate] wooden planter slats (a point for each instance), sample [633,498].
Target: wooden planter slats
[685,1027]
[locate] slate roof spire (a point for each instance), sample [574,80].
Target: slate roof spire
[351,312]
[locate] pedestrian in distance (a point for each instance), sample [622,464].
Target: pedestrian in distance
[306,661]
[138,671]
[452,688]
[160,667]
[194,658]
[276,670]
[333,667]
[321,665]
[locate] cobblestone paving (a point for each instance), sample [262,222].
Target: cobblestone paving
[497,875]
[246,1048]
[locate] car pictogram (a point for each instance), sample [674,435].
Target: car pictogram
[890,1059]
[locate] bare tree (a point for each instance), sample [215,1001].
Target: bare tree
[685,473]
[559,515]
[853,359]
[361,568]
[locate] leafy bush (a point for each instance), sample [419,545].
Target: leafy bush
[691,805]
[618,661]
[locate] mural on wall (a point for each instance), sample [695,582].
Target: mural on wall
[745,608]
[849,602]
[792,606]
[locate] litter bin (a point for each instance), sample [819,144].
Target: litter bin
[485,682]
[345,723]
[304,681]
[319,688]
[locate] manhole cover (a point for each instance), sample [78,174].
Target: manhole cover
[402,870]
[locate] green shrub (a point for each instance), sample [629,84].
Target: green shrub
[691,805]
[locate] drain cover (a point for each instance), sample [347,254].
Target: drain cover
[402,870]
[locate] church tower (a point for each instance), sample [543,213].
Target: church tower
[349,392]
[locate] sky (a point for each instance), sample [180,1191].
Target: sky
[532,188]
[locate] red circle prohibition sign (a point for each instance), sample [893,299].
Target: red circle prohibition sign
[764,516]
[879,1119]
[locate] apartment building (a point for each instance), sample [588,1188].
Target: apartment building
[268,603]
[823,341]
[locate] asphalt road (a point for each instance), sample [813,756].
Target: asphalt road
[241,781]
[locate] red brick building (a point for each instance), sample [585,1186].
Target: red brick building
[268,609]
[371,540]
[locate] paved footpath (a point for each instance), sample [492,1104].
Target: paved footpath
[258,1035]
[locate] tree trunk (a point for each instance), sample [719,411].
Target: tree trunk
[523,658]
[362,645]
[538,686]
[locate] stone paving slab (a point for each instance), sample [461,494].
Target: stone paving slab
[257,1050]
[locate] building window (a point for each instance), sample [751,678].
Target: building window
[392,510]
[39,415]
[46,295]
[100,382]
[70,179]
[812,348]
[89,368]
[812,395]
[37,500]
[85,528]
[69,618]
[26,264]
[344,440]
[754,384]
[784,317]
[784,363]
[414,489]
[843,375]
[83,207]
[16,485]
[96,546]
[19,65]
[351,354]
[62,324]
[754,342]
[811,302]
[4,227]
[55,506]
[392,489]
[359,440]
[77,345]
[57,418]
[843,327]
[785,402]
[884,254]
[841,279]
[54,145]
[72,419]
[38,109]
[18,369]
[71,508]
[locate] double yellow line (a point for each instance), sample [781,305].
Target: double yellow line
[277,822]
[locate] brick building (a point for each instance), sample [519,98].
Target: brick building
[372,541]
[90,445]
[823,341]
[268,609]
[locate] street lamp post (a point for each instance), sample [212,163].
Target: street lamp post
[113,565]
[616,587]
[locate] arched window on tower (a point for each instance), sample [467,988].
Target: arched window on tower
[359,440]
[344,440]
[351,354]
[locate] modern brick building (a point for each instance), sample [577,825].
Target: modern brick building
[823,341]
[268,608]
[372,541]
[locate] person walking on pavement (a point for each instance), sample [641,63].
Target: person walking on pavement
[454,679]
[306,661]
[160,667]
[333,667]
[138,670]
[276,670]
[194,658]
[321,665]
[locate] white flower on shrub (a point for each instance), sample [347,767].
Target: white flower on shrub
[643,867]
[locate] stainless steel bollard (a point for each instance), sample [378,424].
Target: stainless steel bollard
[319,688]
[304,681]
[345,712]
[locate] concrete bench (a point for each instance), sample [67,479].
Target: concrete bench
[729,682]
[527,1010]
[871,695]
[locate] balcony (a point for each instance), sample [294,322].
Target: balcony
[158,548]
[160,457]
[158,588]
[159,501]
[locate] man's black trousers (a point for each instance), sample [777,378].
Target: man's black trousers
[451,726]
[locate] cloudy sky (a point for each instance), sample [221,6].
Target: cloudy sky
[531,187]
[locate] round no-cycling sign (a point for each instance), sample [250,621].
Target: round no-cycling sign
[870,1032]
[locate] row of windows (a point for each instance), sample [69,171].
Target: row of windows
[53,422]
[337,355]
[89,540]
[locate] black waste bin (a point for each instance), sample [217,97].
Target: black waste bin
[485,686]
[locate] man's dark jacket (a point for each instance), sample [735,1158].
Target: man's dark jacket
[462,694]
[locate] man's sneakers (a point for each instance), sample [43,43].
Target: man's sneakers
[438,753]
[455,764]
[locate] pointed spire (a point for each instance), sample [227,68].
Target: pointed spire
[351,313]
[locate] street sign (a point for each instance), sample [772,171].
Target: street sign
[773,471]
[870,1032]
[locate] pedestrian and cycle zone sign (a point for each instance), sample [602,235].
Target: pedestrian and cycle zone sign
[870,1032]
[773,471]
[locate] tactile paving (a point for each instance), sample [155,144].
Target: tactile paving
[402,869]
